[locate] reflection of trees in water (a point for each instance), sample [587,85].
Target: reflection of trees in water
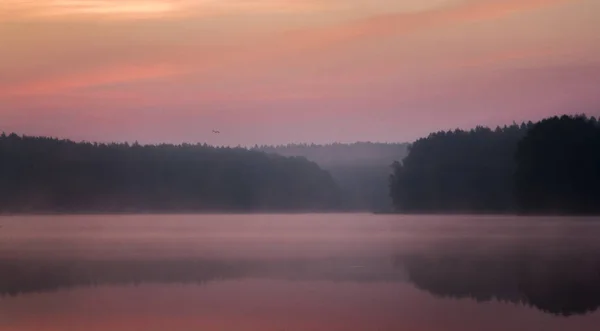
[558,284]
[26,276]
[561,283]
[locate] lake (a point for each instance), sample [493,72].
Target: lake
[311,272]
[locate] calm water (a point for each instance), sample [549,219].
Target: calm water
[299,272]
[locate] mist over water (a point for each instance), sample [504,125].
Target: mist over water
[299,272]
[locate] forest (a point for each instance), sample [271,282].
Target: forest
[550,167]
[360,169]
[43,175]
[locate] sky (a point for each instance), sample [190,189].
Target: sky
[282,71]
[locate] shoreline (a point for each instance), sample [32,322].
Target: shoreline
[179,213]
[284,212]
[485,214]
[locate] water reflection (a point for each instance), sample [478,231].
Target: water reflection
[561,283]
[20,276]
[377,270]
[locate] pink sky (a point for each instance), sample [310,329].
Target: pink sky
[278,71]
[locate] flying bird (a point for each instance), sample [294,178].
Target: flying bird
[215,131]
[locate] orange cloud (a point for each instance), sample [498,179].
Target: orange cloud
[136,9]
[44,9]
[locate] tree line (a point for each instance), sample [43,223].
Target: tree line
[552,166]
[341,154]
[39,174]
[360,169]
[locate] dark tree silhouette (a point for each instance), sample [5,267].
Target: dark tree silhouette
[458,171]
[51,175]
[558,166]
[552,167]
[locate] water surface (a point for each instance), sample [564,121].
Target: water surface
[299,272]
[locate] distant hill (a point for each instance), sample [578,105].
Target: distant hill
[337,154]
[361,169]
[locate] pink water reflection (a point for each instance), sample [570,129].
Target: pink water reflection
[261,305]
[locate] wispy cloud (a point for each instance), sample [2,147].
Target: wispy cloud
[16,10]
[90,79]
[139,9]
[404,22]
[304,45]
